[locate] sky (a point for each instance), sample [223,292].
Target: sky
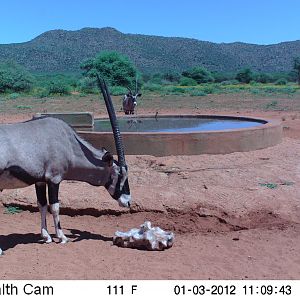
[219,21]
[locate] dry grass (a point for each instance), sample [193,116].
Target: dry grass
[153,102]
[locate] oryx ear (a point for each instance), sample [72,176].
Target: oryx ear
[139,94]
[107,157]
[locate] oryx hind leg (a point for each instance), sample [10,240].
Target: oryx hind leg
[40,188]
[54,207]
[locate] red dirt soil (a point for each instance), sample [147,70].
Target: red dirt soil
[228,224]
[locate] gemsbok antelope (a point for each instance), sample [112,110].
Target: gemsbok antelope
[45,151]
[130,102]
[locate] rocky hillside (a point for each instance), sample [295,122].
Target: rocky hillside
[63,51]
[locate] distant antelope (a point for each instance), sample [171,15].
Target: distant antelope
[130,101]
[45,151]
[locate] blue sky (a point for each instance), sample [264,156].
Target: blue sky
[250,21]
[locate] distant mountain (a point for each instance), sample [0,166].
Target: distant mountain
[63,51]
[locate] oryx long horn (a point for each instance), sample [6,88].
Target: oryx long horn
[129,90]
[136,85]
[113,121]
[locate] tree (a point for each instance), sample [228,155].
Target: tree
[199,74]
[297,68]
[244,76]
[14,77]
[115,68]
[262,77]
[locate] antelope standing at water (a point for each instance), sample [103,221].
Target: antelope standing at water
[130,102]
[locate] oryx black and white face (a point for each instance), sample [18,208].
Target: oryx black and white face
[130,102]
[117,184]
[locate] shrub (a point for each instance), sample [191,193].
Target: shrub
[263,78]
[41,92]
[171,77]
[244,76]
[174,90]
[87,85]
[118,90]
[15,78]
[197,93]
[186,81]
[152,87]
[13,96]
[230,82]
[281,81]
[115,68]
[297,68]
[59,88]
[199,74]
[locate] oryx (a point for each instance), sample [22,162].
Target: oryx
[46,151]
[130,101]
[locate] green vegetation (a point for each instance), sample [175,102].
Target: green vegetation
[244,76]
[297,68]
[199,74]
[61,51]
[115,68]
[121,73]
[269,185]
[11,210]
[14,78]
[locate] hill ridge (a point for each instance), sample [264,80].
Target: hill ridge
[62,50]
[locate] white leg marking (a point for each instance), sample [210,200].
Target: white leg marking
[44,232]
[59,233]
[1,252]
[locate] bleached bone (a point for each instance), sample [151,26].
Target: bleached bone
[145,237]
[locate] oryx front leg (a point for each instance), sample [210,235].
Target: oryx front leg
[54,207]
[40,189]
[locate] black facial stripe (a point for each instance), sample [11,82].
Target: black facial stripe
[126,189]
[117,193]
[108,183]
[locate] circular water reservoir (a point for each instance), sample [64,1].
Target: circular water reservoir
[187,135]
[176,124]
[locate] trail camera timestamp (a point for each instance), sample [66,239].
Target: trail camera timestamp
[239,290]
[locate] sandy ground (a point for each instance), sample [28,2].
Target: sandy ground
[228,223]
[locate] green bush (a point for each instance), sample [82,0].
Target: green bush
[197,93]
[199,74]
[41,92]
[186,81]
[115,68]
[14,78]
[152,87]
[14,96]
[87,85]
[59,88]
[281,81]
[118,90]
[262,78]
[244,76]
[174,90]
[171,77]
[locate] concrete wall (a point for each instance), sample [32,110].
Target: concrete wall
[191,143]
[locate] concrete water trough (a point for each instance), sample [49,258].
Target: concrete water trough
[177,134]
[187,134]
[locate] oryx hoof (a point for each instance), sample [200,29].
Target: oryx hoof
[48,240]
[46,236]
[63,240]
